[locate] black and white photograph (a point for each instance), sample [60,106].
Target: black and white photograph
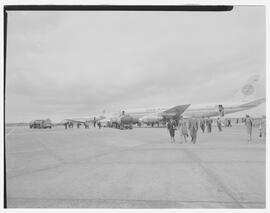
[135,107]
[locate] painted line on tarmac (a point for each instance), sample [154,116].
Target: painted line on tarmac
[81,161]
[11,131]
[19,152]
[51,152]
[40,132]
[213,176]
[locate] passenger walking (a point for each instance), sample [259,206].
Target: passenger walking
[249,125]
[95,122]
[209,125]
[66,124]
[99,125]
[202,124]
[193,128]
[183,130]
[86,125]
[229,123]
[171,127]
[219,124]
[263,127]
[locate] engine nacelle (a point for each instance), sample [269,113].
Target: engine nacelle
[126,119]
[151,119]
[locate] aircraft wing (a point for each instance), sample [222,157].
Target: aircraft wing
[253,103]
[74,120]
[177,109]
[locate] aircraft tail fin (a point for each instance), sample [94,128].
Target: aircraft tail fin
[249,91]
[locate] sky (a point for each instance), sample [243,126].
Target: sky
[64,64]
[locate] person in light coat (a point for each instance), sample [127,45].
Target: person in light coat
[183,130]
[193,129]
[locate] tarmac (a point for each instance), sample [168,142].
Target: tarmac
[139,168]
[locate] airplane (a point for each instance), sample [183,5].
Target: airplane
[126,118]
[90,119]
[245,98]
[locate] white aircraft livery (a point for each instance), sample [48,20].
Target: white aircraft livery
[246,98]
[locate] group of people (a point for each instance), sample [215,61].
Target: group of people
[249,126]
[190,127]
[183,127]
[69,124]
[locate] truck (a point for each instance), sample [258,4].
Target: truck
[40,124]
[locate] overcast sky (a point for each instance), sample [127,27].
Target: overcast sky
[72,64]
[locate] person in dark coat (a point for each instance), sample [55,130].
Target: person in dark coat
[219,124]
[94,122]
[202,124]
[229,123]
[209,125]
[171,128]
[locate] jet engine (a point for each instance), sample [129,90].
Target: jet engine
[126,119]
[149,119]
[122,122]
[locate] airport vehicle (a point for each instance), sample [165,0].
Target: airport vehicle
[41,124]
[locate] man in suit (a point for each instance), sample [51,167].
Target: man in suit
[202,124]
[193,128]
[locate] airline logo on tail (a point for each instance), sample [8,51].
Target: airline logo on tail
[248,89]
